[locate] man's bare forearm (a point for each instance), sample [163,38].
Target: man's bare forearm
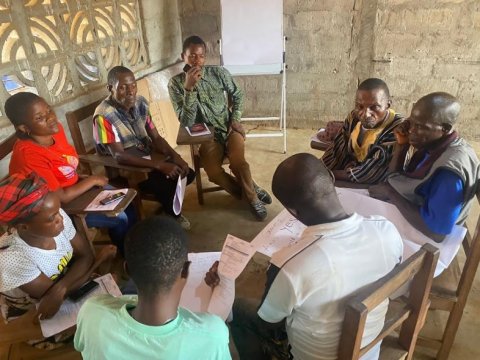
[411,212]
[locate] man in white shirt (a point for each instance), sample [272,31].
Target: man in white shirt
[308,284]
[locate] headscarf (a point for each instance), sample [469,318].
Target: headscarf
[21,197]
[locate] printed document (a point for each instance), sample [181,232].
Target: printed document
[285,230]
[66,317]
[198,296]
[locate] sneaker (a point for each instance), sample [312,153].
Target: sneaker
[259,210]
[183,221]
[262,194]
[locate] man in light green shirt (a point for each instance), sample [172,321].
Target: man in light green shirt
[151,326]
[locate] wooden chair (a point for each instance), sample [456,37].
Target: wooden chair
[197,166]
[407,313]
[78,217]
[194,142]
[6,148]
[14,334]
[450,292]
[328,135]
[80,123]
[76,209]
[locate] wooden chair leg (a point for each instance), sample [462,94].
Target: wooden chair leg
[5,352]
[198,176]
[464,286]
[198,182]
[137,202]
[81,226]
[22,351]
[450,332]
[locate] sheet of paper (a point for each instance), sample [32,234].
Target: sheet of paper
[96,206]
[179,195]
[284,230]
[222,298]
[66,317]
[236,254]
[196,293]
[357,191]
[198,296]
[316,139]
[353,201]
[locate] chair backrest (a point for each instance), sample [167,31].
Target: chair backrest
[408,311]
[6,146]
[471,246]
[22,329]
[80,124]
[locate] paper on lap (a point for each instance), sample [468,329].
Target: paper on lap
[198,296]
[222,298]
[95,203]
[284,230]
[66,316]
[412,238]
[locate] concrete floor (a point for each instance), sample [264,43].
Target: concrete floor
[221,215]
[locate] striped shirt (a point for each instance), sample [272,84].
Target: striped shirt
[105,133]
[112,124]
[207,102]
[340,154]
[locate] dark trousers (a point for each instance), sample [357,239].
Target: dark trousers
[254,338]
[163,189]
[118,226]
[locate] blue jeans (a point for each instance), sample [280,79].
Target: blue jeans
[117,226]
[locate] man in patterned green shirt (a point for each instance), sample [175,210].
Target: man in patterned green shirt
[199,95]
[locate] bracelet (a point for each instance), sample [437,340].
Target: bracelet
[352,175]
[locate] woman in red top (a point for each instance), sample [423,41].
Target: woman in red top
[42,147]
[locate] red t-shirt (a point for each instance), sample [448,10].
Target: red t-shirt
[56,164]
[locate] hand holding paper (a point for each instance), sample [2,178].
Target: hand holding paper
[221,272]
[236,254]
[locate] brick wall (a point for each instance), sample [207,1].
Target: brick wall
[431,46]
[416,46]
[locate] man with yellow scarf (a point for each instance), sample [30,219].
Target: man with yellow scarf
[363,148]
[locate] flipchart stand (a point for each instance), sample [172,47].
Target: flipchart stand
[256,47]
[282,118]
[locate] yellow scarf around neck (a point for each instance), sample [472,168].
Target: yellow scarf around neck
[369,136]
